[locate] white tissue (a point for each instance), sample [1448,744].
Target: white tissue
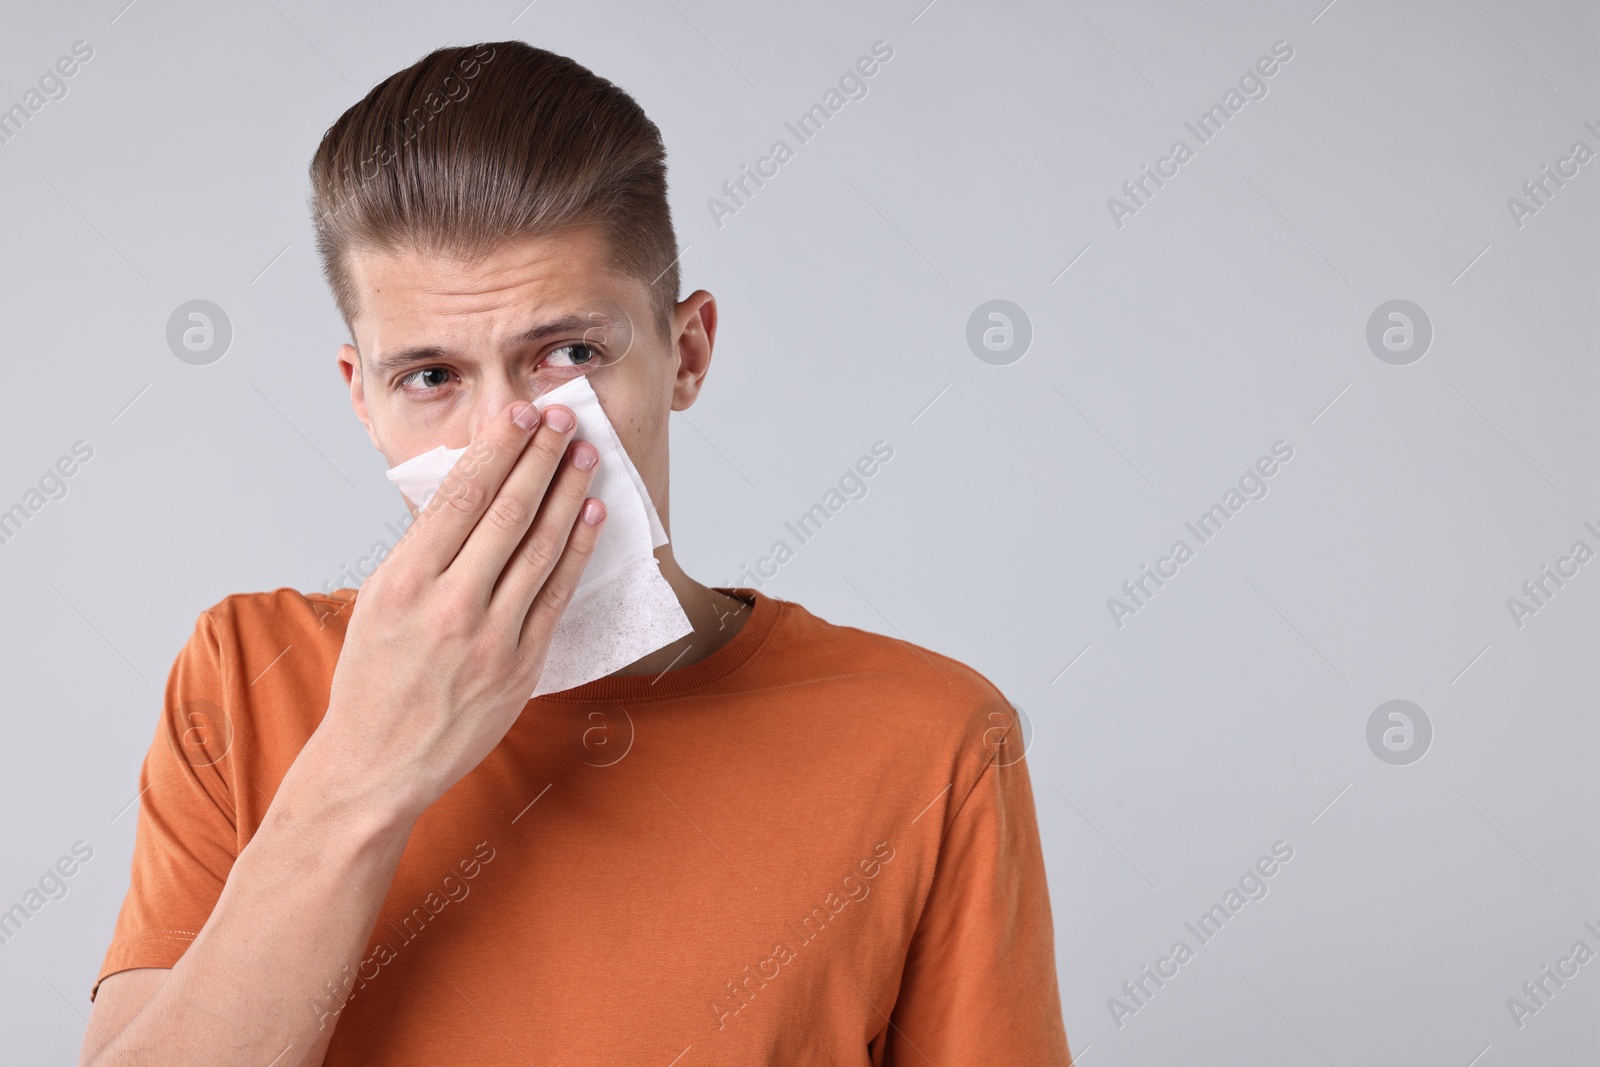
[623,608]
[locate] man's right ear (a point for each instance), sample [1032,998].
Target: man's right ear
[349,361]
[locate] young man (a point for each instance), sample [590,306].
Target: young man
[359,842]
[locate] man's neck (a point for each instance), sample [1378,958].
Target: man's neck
[716,618]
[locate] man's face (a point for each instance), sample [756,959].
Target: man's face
[445,345]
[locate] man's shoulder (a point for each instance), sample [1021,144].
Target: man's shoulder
[900,677]
[273,647]
[280,611]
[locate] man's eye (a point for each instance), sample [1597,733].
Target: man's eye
[436,375]
[580,354]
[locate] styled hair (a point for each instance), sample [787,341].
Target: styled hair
[474,146]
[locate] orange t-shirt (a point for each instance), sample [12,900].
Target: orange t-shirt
[815,846]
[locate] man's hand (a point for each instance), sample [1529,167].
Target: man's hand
[449,635]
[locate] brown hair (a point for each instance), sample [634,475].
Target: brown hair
[473,146]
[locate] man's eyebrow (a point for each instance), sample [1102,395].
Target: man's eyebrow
[423,355]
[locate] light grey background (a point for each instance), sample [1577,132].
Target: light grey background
[1229,313]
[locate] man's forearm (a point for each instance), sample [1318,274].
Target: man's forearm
[296,912]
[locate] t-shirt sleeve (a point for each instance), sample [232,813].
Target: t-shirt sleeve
[979,984]
[186,838]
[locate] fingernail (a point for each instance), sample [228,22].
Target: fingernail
[583,458]
[592,512]
[559,419]
[527,416]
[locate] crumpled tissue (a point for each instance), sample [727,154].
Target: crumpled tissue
[623,608]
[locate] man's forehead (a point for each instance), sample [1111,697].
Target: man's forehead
[565,274]
[558,263]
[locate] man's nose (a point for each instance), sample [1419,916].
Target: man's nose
[501,393]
